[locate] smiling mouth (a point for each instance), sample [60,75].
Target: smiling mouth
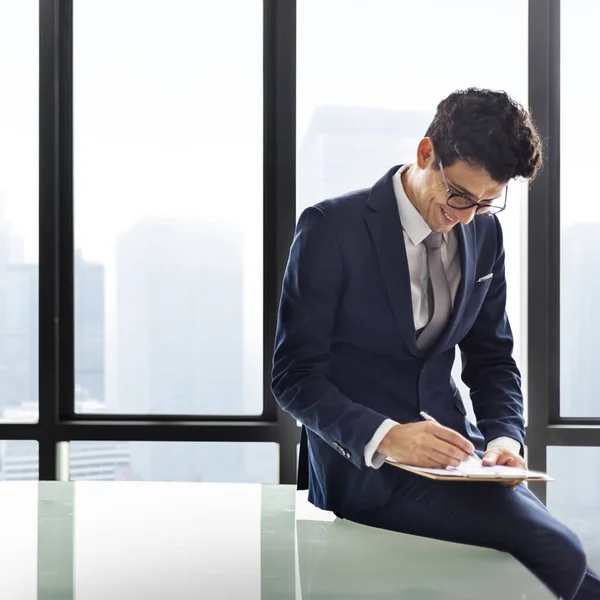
[447,217]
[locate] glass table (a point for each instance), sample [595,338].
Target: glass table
[180,541]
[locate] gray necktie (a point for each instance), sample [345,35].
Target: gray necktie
[440,291]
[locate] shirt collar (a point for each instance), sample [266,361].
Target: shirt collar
[412,222]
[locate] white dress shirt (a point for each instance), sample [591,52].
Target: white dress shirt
[415,230]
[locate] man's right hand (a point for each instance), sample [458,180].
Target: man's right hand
[425,444]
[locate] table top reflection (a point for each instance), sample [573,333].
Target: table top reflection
[180,541]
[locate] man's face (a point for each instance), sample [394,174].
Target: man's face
[471,183]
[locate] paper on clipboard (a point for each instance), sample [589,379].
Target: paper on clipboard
[472,470]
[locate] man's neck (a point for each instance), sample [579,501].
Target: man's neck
[407,179]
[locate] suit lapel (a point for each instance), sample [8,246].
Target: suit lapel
[385,227]
[467,250]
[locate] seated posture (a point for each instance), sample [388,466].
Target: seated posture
[381,286]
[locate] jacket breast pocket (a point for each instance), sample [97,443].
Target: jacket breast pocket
[474,303]
[481,286]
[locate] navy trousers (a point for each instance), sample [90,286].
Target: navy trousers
[491,516]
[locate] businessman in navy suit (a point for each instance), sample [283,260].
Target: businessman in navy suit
[381,286]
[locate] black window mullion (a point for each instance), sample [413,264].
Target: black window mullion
[544,235]
[56,389]
[279,196]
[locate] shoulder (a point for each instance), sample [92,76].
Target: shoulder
[341,217]
[343,206]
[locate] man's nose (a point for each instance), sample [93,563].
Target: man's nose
[467,216]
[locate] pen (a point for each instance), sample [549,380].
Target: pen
[430,418]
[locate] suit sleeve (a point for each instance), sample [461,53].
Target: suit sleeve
[311,293]
[489,369]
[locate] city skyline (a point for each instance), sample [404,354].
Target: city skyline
[162,281]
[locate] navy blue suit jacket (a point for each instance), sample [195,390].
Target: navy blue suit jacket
[345,351]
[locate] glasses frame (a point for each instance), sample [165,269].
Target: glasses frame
[480,205]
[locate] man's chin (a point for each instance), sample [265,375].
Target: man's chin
[442,227]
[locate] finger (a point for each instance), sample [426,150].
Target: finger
[491,457]
[521,462]
[452,437]
[507,459]
[451,454]
[440,460]
[510,460]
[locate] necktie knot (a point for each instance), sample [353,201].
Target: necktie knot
[433,241]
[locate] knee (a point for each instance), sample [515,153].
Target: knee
[571,552]
[554,546]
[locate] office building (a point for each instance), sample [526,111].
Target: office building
[88,460]
[350,147]
[179,324]
[19,332]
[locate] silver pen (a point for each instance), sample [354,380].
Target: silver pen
[430,418]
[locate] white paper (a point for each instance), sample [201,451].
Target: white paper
[473,468]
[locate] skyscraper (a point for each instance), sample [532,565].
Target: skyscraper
[19,336]
[19,333]
[88,460]
[18,358]
[89,329]
[180,324]
[580,319]
[351,147]
[579,332]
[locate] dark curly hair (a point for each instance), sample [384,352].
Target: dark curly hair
[487,129]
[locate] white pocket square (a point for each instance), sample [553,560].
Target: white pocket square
[485,277]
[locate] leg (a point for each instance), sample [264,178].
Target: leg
[590,586]
[492,516]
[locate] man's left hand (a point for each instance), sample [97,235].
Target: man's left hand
[502,456]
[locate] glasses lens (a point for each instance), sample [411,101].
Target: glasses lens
[460,202]
[489,210]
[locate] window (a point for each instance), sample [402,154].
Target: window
[580,221]
[361,110]
[19,81]
[168,206]
[19,460]
[575,495]
[240,462]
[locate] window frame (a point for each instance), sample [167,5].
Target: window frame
[58,422]
[546,426]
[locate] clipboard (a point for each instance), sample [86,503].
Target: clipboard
[470,473]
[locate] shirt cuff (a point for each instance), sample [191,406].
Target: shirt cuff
[373,458]
[506,442]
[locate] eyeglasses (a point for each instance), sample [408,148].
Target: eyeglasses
[461,202]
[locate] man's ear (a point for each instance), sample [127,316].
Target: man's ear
[425,153]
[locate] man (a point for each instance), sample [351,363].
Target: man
[381,286]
